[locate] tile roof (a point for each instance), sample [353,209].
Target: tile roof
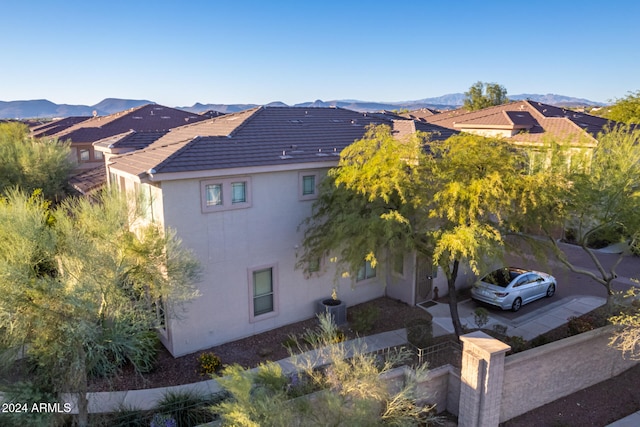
[131,140]
[533,121]
[147,118]
[56,126]
[261,136]
[89,180]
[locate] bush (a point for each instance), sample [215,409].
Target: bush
[363,320]
[210,364]
[480,317]
[578,325]
[186,408]
[420,332]
[500,329]
[517,344]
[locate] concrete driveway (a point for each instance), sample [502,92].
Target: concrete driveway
[576,294]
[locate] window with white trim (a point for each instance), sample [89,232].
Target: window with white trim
[225,194]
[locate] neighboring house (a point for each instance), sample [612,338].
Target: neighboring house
[236,188]
[527,124]
[147,123]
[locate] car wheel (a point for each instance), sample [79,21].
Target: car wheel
[551,290]
[516,305]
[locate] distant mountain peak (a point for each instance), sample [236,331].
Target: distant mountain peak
[42,108]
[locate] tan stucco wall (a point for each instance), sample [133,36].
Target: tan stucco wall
[547,373]
[229,243]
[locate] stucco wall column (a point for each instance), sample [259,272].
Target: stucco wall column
[481,380]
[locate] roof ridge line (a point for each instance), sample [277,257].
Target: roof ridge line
[248,118]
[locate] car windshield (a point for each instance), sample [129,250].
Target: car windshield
[501,277]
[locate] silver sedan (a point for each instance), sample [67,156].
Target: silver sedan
[511,288]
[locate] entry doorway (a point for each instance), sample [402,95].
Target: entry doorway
[424,280]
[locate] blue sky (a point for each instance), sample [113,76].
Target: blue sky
[177,53]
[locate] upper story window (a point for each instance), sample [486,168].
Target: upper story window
[308,185]
[225,194]
[238,192]
[84,155]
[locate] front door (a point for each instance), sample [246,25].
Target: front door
[424,279]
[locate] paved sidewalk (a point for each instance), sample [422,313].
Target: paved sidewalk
[632,420]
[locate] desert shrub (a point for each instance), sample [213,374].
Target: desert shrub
[363,320]
[540,340]
[480,317]
[578,325]
[325,333]
[420,332]
[126,416]
[20,393]
[186,408]
[290,342]
[353,391]
[500,329]
[209,363]
[517,344]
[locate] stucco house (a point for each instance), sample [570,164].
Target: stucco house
[236,188]
[527,124]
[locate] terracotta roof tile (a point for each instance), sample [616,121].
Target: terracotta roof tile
[537,119]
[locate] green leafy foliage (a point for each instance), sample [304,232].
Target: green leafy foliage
[625,110]
[363,321]
[31,164]
[77,291]
[185,408]
[483,95]
[209,363]
[351,391]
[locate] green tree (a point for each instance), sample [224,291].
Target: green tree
[31,164]
[625,110]
[388,196]
[81,290]
[482,95]
[599,203]
[349,389]
[626,337]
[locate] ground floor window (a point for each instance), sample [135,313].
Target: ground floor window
[263,287]
[367,271]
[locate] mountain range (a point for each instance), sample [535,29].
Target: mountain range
[42,108]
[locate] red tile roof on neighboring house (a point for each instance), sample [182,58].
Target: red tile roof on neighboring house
[56,126]
[530,122]
[88,180]
[147,118]
[262,136]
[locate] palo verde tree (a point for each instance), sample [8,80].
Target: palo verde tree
[444,200]
[482,95]
[30,164]
[81,291]
[625,110]
[599,203]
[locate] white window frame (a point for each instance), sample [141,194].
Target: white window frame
[274,292]
[226,185]
[317,176]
